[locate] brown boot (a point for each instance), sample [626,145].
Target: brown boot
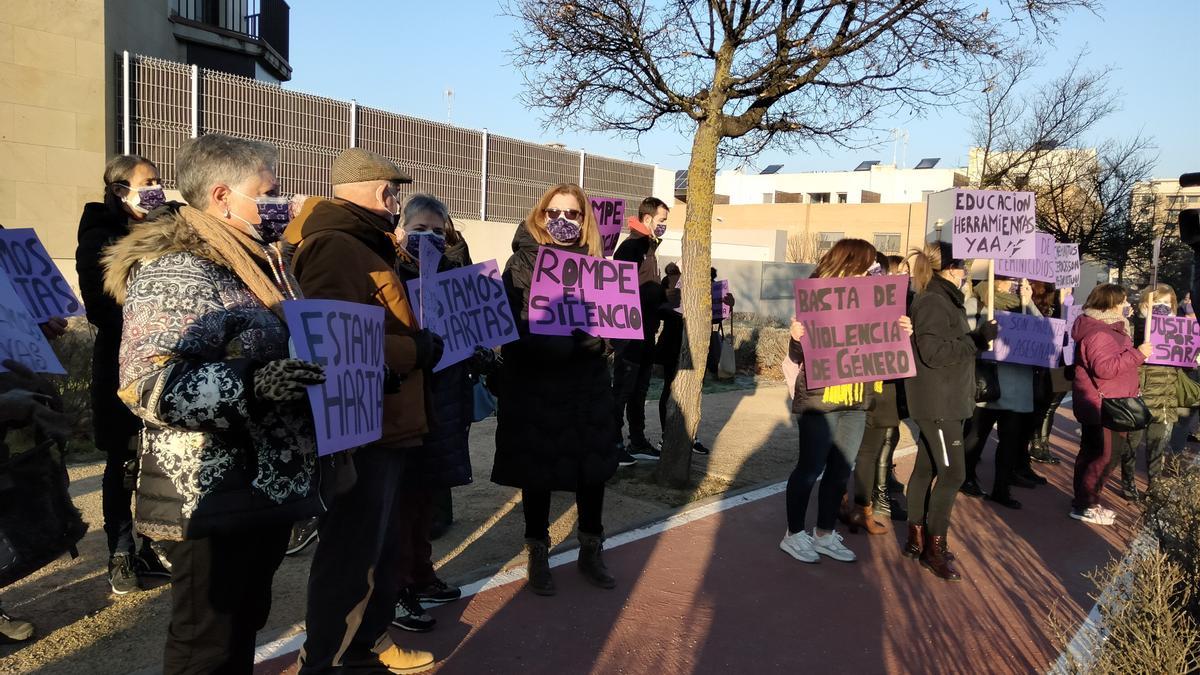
[540,581]
[934,559]
[863,517]
[916,541]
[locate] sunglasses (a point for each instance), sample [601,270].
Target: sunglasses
[569,214]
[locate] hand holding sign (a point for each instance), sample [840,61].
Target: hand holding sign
[851,330]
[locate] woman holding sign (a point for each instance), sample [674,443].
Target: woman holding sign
[229,458]
[940,399]
[555,426]
[832,421]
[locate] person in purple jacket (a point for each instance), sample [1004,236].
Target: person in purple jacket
[1106,366]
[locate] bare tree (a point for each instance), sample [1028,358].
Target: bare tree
[803,248]
[740,75]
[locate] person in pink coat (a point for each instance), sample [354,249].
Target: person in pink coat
[1106,366]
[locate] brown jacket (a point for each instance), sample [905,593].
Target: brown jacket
[345,252]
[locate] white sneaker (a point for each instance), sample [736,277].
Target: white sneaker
[800,547]
[1096,515]
[831,545]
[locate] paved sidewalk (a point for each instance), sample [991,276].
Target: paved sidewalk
[716,595]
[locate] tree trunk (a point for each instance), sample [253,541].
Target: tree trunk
[683,410]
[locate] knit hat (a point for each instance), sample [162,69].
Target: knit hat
[355,165]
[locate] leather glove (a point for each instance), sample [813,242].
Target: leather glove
[284,380]
[429,348]
[988,331]
[391,381]
[589,344]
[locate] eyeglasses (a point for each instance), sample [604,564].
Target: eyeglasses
[569,214]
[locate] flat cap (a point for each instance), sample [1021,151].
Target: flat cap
[355,165]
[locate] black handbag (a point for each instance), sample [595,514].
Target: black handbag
[1129,413]
[987,382]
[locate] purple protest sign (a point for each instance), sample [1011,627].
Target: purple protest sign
[1176,341]
[20,338]
[578,292]
[469,308]
[1040,268]
[720,310]
[31,271]
[992,224]
[852,331]
[1066,265]
[610,218]
[346,338]
[1028,340]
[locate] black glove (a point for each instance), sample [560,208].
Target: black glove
[589,344]
[391,381]
[988,331]
[485,361]
[285,379]
[429,348]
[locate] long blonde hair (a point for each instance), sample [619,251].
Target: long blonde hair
[535,222]
[923,263]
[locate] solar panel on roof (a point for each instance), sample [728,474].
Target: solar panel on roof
[774,168]
[928,163]
[866,166]
[681,181]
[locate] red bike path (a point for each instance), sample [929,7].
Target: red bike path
[717,595]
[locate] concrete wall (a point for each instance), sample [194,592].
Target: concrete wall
[52,116]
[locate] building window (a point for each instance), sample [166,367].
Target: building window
[826,240]
[768,198]
[818,197]
[887,243]
[1193,199]
[841,197]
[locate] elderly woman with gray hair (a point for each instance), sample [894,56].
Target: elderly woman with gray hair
[229,459]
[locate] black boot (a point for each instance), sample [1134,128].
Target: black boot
[882,501]
[591,561]
[540,581]
[1039,451]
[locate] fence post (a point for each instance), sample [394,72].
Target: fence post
[125,125]
[353,123]
[582,155]
[195,100]
[483,177]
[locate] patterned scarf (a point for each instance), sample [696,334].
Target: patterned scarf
[245,258]
[1110,317]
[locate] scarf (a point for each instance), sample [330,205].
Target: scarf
[245,257]
[1110,317]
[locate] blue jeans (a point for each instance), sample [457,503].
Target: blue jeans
[828,445]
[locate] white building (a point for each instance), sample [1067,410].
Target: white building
[870,183]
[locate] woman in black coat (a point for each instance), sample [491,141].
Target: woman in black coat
[941,398]
[131,190]
[555,425]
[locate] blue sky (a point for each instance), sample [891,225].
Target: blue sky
[402,55]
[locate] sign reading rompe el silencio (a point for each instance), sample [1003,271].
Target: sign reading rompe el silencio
[993,224]
[578,292]
[852,331]
[610,218]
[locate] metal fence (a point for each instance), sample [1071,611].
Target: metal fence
[479,175]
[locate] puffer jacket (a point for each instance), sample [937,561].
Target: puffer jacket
[213,459]
[944,349]
[342,251]
[1105,361]
[555,428]
[839,397]
[1158,384]
[1016,380]
[444,460]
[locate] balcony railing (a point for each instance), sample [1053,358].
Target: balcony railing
[265,20]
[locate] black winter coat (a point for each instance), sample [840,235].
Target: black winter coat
[555,428]
[100,226]
[444,459]
[640,249]
[945,350]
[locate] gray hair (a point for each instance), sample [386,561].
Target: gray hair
[423,201]
[217,159]
[120,168]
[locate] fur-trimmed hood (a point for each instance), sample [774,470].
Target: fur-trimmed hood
[169,233]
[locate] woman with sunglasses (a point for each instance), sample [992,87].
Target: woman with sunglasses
[555,426]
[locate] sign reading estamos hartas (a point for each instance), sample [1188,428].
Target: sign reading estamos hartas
[35,277]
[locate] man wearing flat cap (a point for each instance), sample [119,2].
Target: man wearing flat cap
[343,250]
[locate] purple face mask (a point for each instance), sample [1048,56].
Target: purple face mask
[660,230]
[150,197]
[412,243]
[563,230]
[875,270]
[1160,309]
[274,214]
